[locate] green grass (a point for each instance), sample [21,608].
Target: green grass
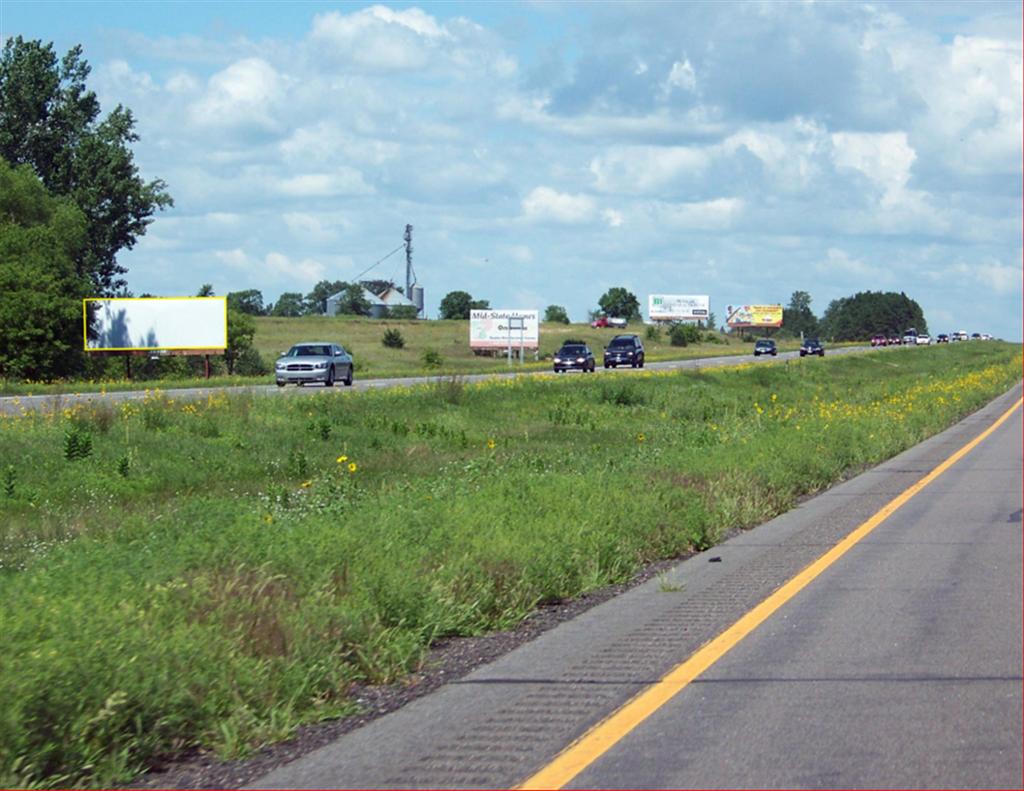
[450,339]
[210,574]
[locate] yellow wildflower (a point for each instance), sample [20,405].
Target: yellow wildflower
[352,466]
[306,484]
[342,459]
[490,444]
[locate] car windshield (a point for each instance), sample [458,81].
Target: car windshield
[622,343]
[309,351]
[573,350]
[765,343]
[812,342]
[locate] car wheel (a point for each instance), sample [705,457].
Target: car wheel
[281,384]
[774,354]
[329,381]
[348,378]
[802,353]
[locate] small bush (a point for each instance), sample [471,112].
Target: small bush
[250,363]
[652,333]
[622,394]
[684,335]
[393,339]
[451,390]
[432,358]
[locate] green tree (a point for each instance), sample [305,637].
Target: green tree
[316,300]
[205,290]
[40,289]
[871,312]
[711,322]
[249,301]
[241,330]
[354,302]
[556,313]
[50,121]
[620,303]
[797,316]
[458,304]
[288,304]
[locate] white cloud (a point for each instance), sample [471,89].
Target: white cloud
[885,158]
[712,214]
[246,92]
[612,217]
[343,181]
[300,273]
[681,76]
[234,258]
[641,170]
[838,264]
[544,204]
[1000,278]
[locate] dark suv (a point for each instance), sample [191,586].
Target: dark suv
[765,346]
[624,350]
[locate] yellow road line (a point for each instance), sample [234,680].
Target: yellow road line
[603,736]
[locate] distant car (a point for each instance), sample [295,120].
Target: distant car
[624,350]
[765,346]
[812,346]
[306,363]
[910,338]
[923,340]
[574,356]
[609,321]
[960,335]
[975,336]
[879,340]
[895,340]
[600,321]
[985,336]
[942,338]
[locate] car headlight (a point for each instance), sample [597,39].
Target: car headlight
[558,359]
[280,366]
[320,366]
[579,359]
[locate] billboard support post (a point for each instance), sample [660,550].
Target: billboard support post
[516,323]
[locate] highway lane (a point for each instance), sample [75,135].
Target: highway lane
[900,666]
[14,405]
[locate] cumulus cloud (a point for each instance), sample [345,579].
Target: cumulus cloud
[544,204]
[246,92]
[343,181]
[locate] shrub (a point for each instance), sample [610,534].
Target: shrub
[250,363]
[652,333]
[684,335]
[393,339]
[432,358]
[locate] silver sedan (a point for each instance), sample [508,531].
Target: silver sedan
[314,362]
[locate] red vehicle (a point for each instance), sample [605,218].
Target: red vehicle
[879,340]
[606,321]
[600,321]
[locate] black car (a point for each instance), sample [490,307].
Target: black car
[942,338]
[765,346]
[574,356]
[812,346]
[624,350]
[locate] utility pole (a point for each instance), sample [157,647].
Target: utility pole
[408,262]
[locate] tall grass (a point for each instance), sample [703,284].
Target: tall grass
[215,573]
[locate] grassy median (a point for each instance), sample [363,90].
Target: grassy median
[216,572]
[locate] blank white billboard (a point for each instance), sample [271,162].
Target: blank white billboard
[677,307]
[155,323]
[489,329]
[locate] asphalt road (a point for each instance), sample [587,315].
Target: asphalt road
[899,666]
[14,405]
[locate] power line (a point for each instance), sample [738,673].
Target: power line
[400,247]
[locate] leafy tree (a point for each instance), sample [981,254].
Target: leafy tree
[797,317]
[40,289]
[316,300]
[402,312]
[872,312]
[458,304]
[288,304]
[48,120]
[377,287]
[354,301]
[620,303]
[241,329]
[249,301]
[557,314]
[205,290]
[684,334]
[711,322]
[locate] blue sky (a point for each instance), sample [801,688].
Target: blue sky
[545,152]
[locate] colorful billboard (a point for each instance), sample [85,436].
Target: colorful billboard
[155,324]
[754,316]
[490,329]
[677,307]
